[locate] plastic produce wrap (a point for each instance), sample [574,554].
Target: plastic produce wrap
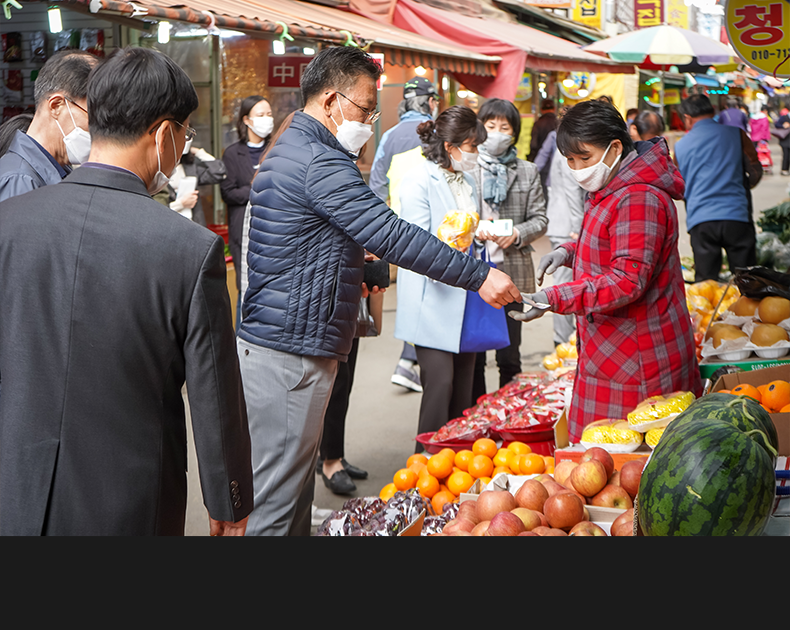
[760,282]
[370,516]
[615,436]
[458,228]
[657,411]
[653,436]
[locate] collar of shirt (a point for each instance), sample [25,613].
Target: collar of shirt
[110,167]
[62,170]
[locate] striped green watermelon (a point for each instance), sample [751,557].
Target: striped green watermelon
[744,413]
[707,478]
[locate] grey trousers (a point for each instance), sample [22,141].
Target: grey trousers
[287,396]
[564,325]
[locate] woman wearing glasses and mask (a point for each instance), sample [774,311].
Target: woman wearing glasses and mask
[634,330]
[430,314]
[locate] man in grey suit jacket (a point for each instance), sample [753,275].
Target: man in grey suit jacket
[109,303]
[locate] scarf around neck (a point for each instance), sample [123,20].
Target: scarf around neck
[494,175]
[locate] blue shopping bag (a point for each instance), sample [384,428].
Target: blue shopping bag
[484,327]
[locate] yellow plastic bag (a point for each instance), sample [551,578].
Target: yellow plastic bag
[612,435]
[656,412]
[458,228]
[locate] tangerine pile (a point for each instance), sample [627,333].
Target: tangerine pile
[774,397]
[443,477]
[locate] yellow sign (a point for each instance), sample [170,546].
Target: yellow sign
[677,13]
[588,12]
[759,31]
[671,97]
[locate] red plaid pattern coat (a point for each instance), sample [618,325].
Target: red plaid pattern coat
[634,332]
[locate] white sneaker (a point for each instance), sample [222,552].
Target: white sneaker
[406,376]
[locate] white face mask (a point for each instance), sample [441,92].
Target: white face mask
[435,112]
[497,143]
[352,135]
[187,147]
[78,141]
[593,178]
[160,180]
[262,125]
[467,163]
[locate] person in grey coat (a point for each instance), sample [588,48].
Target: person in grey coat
[109,304]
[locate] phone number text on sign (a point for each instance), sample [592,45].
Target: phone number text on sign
[758,31]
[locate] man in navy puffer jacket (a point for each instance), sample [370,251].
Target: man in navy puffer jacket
[312,218]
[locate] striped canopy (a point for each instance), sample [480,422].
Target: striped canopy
[663,46]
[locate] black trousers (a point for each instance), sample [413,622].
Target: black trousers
[508,359]
[333,437]
[446,387]
[785,144]
[708,239]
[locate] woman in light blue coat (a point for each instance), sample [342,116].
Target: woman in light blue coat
[430,314]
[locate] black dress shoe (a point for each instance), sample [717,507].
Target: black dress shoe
[353,471]
[339,483]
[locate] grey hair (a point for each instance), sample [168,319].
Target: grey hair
[66,71]
[417,104]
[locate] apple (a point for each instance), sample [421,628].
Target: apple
[481,528]
[586,528]
[589,478]
[613,497]
[468,509]
[563,470]
[564,510]
[569,488]
[541,530]
[505,524]
[532,495]
[492,502]
[586,514]
[556,532]
[530,518]
[458,524]
[528,534]
[623,525]
[614,480]
[460,532]
[631,475]
[602,455]
[551,486]
[543,520]
[548,531]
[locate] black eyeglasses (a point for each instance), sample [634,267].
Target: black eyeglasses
[371,116]
[77,105]
[189,132]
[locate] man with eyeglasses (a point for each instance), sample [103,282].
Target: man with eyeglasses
[312,219]
[58,135]
[109,304]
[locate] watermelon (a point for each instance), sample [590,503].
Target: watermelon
[707,478]
[742,412]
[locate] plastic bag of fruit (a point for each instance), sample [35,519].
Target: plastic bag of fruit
[370,516]
[458,228]
[613,435]
[657,411]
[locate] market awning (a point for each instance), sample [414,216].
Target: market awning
[308,21]
[520,47]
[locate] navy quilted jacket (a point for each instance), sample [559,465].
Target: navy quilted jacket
[312,217]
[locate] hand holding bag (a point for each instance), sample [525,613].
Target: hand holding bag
[484,327]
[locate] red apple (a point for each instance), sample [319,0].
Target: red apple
[548,531]
[543,520]
[528,534]
[631,475]
[614,480]
[505,524]
[623,525]
[458,524]
[586,528]
[613,497]
[564,510]
[532,495]
[492,502]
[541,530]
[551,486]
[556,532]
[468,510]
[563,470]
[602,455]
[481,528]
[589,478]
[530,518]
[569,488]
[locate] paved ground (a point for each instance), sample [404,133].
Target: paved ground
[382,419]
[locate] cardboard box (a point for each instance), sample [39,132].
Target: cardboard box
[574,452]
[707,366]
[762,377]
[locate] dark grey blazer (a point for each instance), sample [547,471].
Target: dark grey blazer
[109,302]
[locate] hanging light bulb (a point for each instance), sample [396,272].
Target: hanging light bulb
[163,32]
[278,47]
[583,93]
[445,83]
[420,70]
[568,82]
[308,51]
[55,21]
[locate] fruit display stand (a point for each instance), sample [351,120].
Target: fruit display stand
[574,453]
[708,366]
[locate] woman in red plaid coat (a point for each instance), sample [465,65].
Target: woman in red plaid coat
[635,338]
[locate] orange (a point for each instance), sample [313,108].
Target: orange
[549,460]
[387,492]
[460,482]
[428,485]
[440,498]
[549,470]
[777,394]
[502,457]
[440,465]
[724,391]
[404,479]
[417,467]
[485,481]
[532,464]
[785,409]
[519,448]
[417,457]
[761,389]
[484,446]
[447,452]
[501,469]
[747,390]
[462,459]
[515,464]
[481,466]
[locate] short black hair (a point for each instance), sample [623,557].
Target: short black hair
[336,68]
[244,110]
[500,108]
[697,105]
[66,71]
[8,130]
[648,122]
[547,104]
[592,122]
[632,113]
[455,125]
[133,89]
